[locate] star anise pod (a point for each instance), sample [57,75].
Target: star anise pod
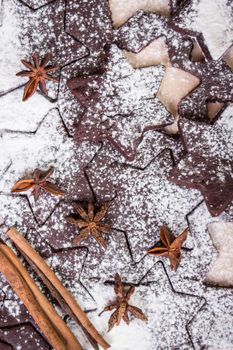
[171,246]
[90,223]
[38,182]
[122,306]
[37,74]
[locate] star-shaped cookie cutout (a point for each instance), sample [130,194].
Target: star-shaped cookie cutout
[25,31]
[151,55]
[48,146]
[221,272]
[207,92]
[69,106]
[144,28]
[216,87]
[84,24]
[207,163]
[196,16]
[121,104]
[122,10]
[176,84]
[144,198]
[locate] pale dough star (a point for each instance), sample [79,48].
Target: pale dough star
[221,272]
[175,85]
[152,55]
[122,10]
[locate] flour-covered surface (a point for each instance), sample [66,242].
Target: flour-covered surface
[138,191]
[23,336]
[49,145]
[23,117]
[15,211]
[209,328]
[213,19]
[112,63]
[157,307]
[35,4]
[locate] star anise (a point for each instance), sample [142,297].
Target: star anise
[123,309]
[171,246]
[37,74]
[38,182]
[91,223]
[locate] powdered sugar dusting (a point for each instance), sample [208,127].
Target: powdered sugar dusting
[214,20]
[10,49]
[218,31]
[33,135]
[122,10]
[144,198]
[160,294]
[50,145]
[126,105]
[22,116]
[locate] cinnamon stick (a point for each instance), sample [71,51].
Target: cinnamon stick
[59,299]
[55,284]
[50,323]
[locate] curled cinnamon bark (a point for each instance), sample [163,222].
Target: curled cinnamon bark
[60,293]
[50,323]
